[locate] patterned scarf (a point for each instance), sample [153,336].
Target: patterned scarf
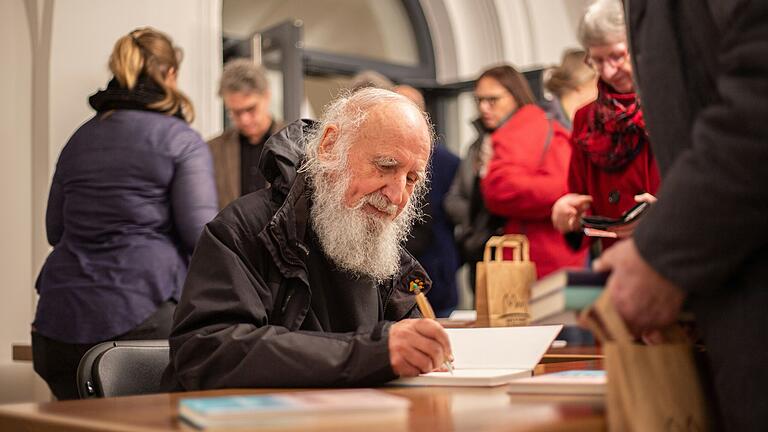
[615,131]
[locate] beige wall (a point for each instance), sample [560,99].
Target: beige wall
[16,190]
[44,104]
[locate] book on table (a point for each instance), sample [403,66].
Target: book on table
[488,357]
[570,289]
[571,382]
[294,409]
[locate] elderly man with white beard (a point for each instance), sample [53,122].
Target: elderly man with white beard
[306,283]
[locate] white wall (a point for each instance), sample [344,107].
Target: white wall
[79,60]
[44,104]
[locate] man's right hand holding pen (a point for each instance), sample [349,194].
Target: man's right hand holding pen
[418,346]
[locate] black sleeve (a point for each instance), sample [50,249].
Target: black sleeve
[712,213]
[224,337]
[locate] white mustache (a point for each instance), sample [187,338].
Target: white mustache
[381,203]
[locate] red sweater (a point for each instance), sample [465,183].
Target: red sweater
[612,192]
[524,180]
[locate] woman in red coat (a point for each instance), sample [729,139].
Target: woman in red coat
[527,173]
[612,167]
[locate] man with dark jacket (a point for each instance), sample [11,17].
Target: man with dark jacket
[702,67]
[305,283]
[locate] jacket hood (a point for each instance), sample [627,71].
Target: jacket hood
[283,153]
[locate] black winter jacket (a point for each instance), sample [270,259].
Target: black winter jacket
[702,67]
[241,318]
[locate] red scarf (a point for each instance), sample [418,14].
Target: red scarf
[615,131]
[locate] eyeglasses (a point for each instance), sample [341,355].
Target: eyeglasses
[614,60]
[490,100]
[250,110]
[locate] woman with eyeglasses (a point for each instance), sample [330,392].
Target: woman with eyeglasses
[612,167]
[132,191]
[513,173]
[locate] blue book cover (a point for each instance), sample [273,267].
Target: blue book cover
[572,382]
[230,404]
[278,409]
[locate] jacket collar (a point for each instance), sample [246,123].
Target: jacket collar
[282,155]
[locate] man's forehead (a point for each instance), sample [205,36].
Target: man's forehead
[399,121]
[239,99]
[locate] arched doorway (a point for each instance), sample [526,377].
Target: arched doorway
[311,49]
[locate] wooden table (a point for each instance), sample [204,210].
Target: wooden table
[432,409]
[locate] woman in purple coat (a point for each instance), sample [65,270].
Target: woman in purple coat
[132,190]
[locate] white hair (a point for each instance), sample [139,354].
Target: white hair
[356,242]
[347,113]
[602,24]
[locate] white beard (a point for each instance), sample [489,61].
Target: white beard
[356,241]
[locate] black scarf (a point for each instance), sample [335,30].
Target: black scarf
[144,93]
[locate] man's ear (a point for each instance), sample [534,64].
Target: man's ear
[328,142]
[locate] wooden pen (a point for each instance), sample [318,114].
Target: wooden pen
[426,310]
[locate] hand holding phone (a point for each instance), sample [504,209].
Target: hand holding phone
[603,222]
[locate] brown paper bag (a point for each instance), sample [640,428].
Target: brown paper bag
[502,286]
[650,387]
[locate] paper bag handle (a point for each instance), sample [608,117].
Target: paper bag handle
[517,242]
[605,323]
[607,326]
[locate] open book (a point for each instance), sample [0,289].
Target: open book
[487,357]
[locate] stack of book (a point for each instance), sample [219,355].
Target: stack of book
[558,297]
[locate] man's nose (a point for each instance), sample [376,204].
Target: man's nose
[396,190]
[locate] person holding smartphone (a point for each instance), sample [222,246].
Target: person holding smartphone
[612,166]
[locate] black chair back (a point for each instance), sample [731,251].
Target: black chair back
[122,368]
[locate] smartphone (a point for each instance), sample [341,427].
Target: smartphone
[602,222]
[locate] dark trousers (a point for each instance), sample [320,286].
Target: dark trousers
[56,362]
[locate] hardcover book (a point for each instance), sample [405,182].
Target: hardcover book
[293,408]
[572,382]
[564,290]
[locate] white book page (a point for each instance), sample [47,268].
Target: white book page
[465,378]
[501,347]
[479,373]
